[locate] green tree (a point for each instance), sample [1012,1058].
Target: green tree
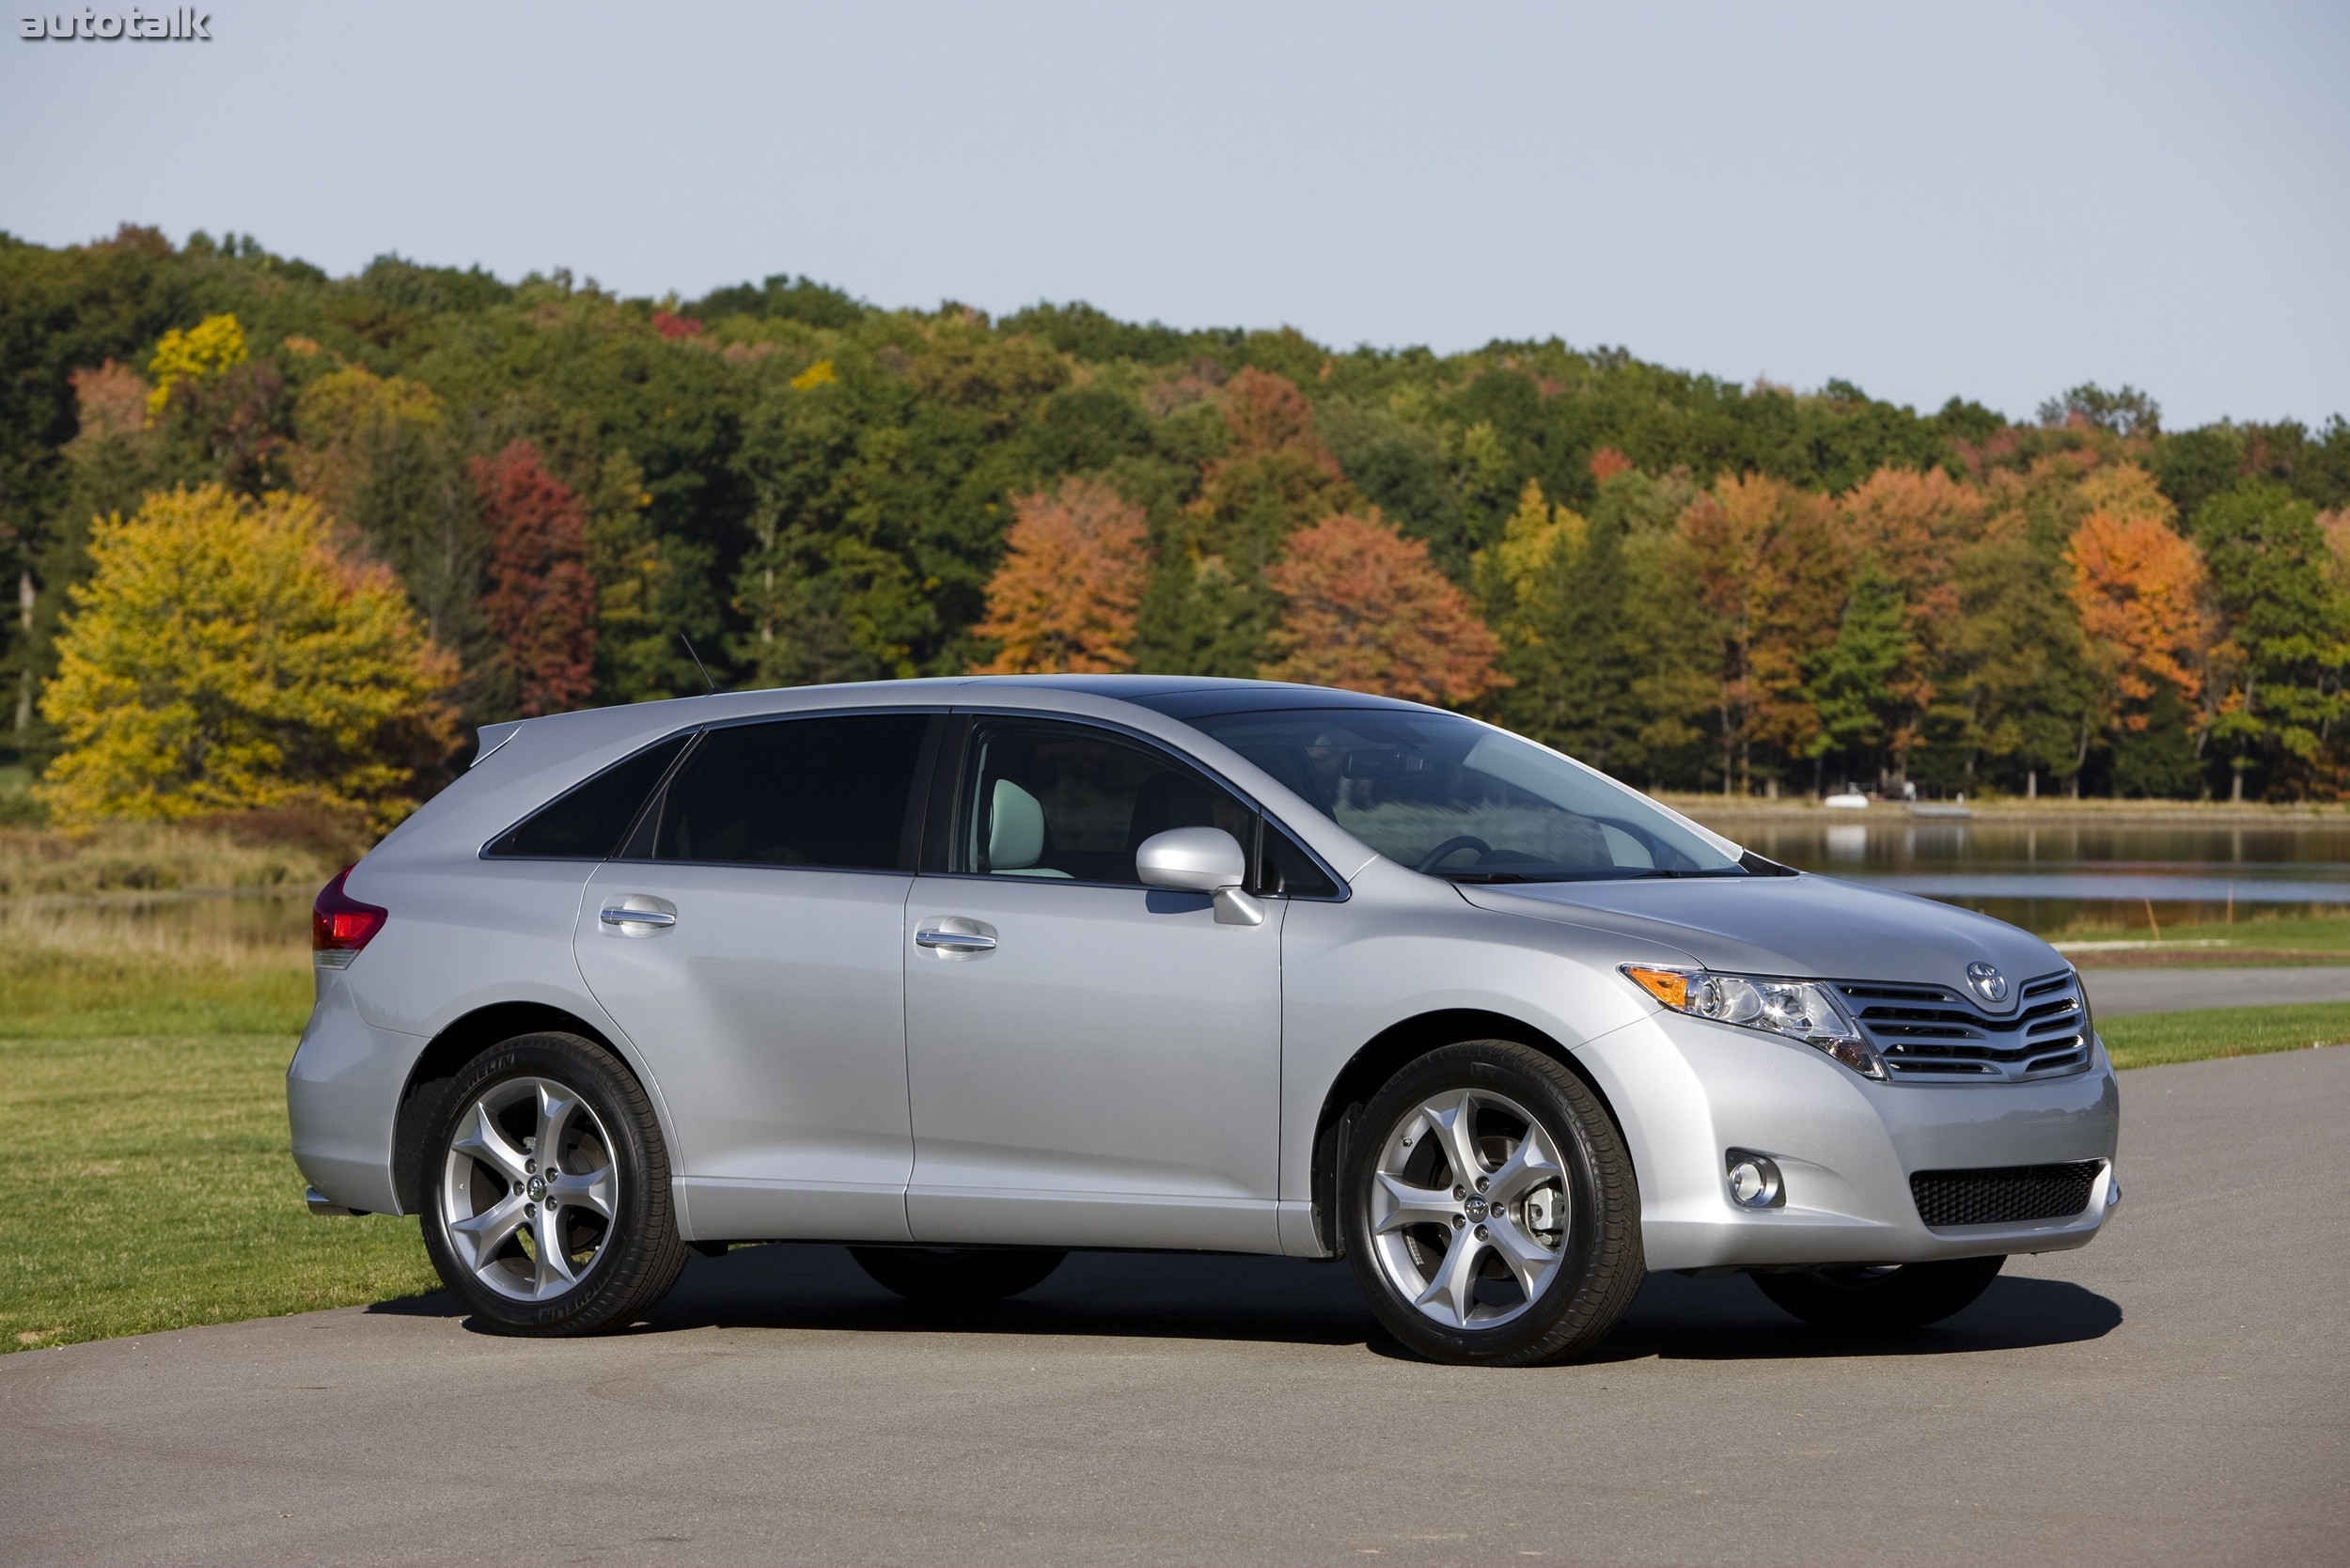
[1854,680]
[2286,638]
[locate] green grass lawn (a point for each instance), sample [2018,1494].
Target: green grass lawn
[145,1183]
[2152,1039]
[2281,939]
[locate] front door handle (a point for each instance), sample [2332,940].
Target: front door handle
[954,941]
[616,915]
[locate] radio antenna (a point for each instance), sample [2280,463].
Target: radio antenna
[698,662]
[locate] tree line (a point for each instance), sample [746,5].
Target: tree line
[552,491]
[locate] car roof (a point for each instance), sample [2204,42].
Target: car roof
[1187,697]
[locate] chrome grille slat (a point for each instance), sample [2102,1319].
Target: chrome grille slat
[1937,1034]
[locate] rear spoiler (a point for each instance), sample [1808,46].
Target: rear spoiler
[491,737]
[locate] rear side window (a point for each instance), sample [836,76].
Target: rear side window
[587,822]
[834,791]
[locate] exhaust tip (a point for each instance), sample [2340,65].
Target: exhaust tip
[326,1207]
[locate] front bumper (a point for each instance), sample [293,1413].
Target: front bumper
[1686,1091]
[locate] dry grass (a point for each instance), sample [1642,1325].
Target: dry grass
[260,851]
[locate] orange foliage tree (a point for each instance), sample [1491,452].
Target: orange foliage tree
[2140,591]
[542,603]
[1065,597]
[1764,563]
[1365,608]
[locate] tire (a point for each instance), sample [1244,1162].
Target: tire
[957,1276]
[486,1186]
[1861,1300]
[1551,1267]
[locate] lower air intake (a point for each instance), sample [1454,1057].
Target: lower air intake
[2007,1195]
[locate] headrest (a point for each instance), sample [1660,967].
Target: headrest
[1015,828]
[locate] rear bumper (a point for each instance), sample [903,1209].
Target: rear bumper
[1688,1090]
[342,1099]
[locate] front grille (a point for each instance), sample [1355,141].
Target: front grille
[1933,1034]
[2007,1195]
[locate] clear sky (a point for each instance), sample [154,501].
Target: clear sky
[1996,201]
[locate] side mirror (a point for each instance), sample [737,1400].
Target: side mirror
[1201,860]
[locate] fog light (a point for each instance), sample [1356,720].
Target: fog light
[1754,1182]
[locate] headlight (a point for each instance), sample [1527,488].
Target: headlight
[1800,1010]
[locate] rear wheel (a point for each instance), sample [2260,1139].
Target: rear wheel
[547,1207]
[1490,1209]
[957,1276]
[1894,1295]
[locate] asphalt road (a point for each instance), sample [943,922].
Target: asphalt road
[2176,1393]
[2114,993]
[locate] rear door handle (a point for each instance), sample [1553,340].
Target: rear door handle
[616,915]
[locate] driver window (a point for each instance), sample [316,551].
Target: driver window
[1065,803]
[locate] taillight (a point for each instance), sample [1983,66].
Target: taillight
[340,925]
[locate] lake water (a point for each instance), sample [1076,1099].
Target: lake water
[2043,875]
[2047,874]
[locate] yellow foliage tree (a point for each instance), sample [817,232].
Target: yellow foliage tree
[214,344]
[223,657]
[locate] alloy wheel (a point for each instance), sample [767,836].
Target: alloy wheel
[530,1190]
[1470,1208]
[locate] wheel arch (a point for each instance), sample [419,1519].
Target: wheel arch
[1387,1054]
[440,1063]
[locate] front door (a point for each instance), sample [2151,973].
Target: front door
[750,952]
[1090,1062]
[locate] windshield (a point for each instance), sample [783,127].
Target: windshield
[1454,798]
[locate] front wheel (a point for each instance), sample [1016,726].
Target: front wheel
[1490,1209]
[1894,1295]
[547,1207]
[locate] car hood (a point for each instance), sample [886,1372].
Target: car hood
[1815,927]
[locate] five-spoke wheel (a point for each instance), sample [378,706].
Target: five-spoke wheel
[529,1188]
[547,1207]
[1470,1208]
[1488,1207]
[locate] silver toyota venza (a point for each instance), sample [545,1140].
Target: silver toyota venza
[969,973]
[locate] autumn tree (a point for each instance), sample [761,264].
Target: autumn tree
[1555,587]
[542,603]
[225,656]
[1765,577]
[2139,591]
[379,454]
[1274,478]
[1072,576]
[1914,525]
[213,347]
[1363,607]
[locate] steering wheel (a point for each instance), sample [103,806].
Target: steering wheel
[1458,841]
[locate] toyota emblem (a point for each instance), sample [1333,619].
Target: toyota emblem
[1986,981]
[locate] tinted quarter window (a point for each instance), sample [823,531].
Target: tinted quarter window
[834,791]
[1288,868]
[587,822]
[1071,803]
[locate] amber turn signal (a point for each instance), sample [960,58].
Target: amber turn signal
[1669,986]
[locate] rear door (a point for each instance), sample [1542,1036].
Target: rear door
[747,942]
